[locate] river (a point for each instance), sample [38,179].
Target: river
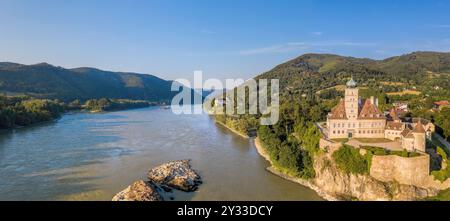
[85,156]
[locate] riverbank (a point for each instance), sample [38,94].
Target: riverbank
[233,130]
[261,150]
[263,153]
[75,111]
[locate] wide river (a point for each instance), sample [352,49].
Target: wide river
[86,156]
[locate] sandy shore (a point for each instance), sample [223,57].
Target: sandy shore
[300,181]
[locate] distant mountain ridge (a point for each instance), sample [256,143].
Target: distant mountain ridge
[47,81]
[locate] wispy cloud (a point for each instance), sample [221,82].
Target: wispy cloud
[207,31]
[317,33]
[274,49]
[440,26]
[297,46]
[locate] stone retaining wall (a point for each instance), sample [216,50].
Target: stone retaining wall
[411,171]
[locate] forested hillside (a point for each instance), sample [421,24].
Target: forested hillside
[47,81]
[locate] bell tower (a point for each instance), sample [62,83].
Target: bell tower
[351,100]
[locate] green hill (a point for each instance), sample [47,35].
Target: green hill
[313,72]
[47,81]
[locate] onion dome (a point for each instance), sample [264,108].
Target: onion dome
[351,83]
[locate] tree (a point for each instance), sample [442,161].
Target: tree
[442,119]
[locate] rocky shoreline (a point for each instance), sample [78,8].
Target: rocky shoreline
[172,175]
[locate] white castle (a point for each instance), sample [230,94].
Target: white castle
[355,118]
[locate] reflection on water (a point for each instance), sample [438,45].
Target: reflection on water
[92,156]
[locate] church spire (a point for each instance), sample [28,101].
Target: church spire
[351,83]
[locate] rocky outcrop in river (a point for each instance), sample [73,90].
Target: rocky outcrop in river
[139,191]
[175,174]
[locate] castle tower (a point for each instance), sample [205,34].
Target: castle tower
[351,100]
[419,137]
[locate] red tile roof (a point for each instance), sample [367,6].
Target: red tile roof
[370,111]
[391,125]
[418,128]
[442,103]
[338,112]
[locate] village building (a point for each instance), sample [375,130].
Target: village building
[441,104]
[357,118]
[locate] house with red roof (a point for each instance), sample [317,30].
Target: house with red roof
[438,105]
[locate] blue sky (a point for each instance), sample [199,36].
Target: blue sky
[224,39]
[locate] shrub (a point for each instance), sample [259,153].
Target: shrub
[350,160]
[443,195]
[382,152]
[444,173]
[286,156]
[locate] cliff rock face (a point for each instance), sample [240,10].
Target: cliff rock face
[176,174]
[333,184]
[336,184]
[138,191]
